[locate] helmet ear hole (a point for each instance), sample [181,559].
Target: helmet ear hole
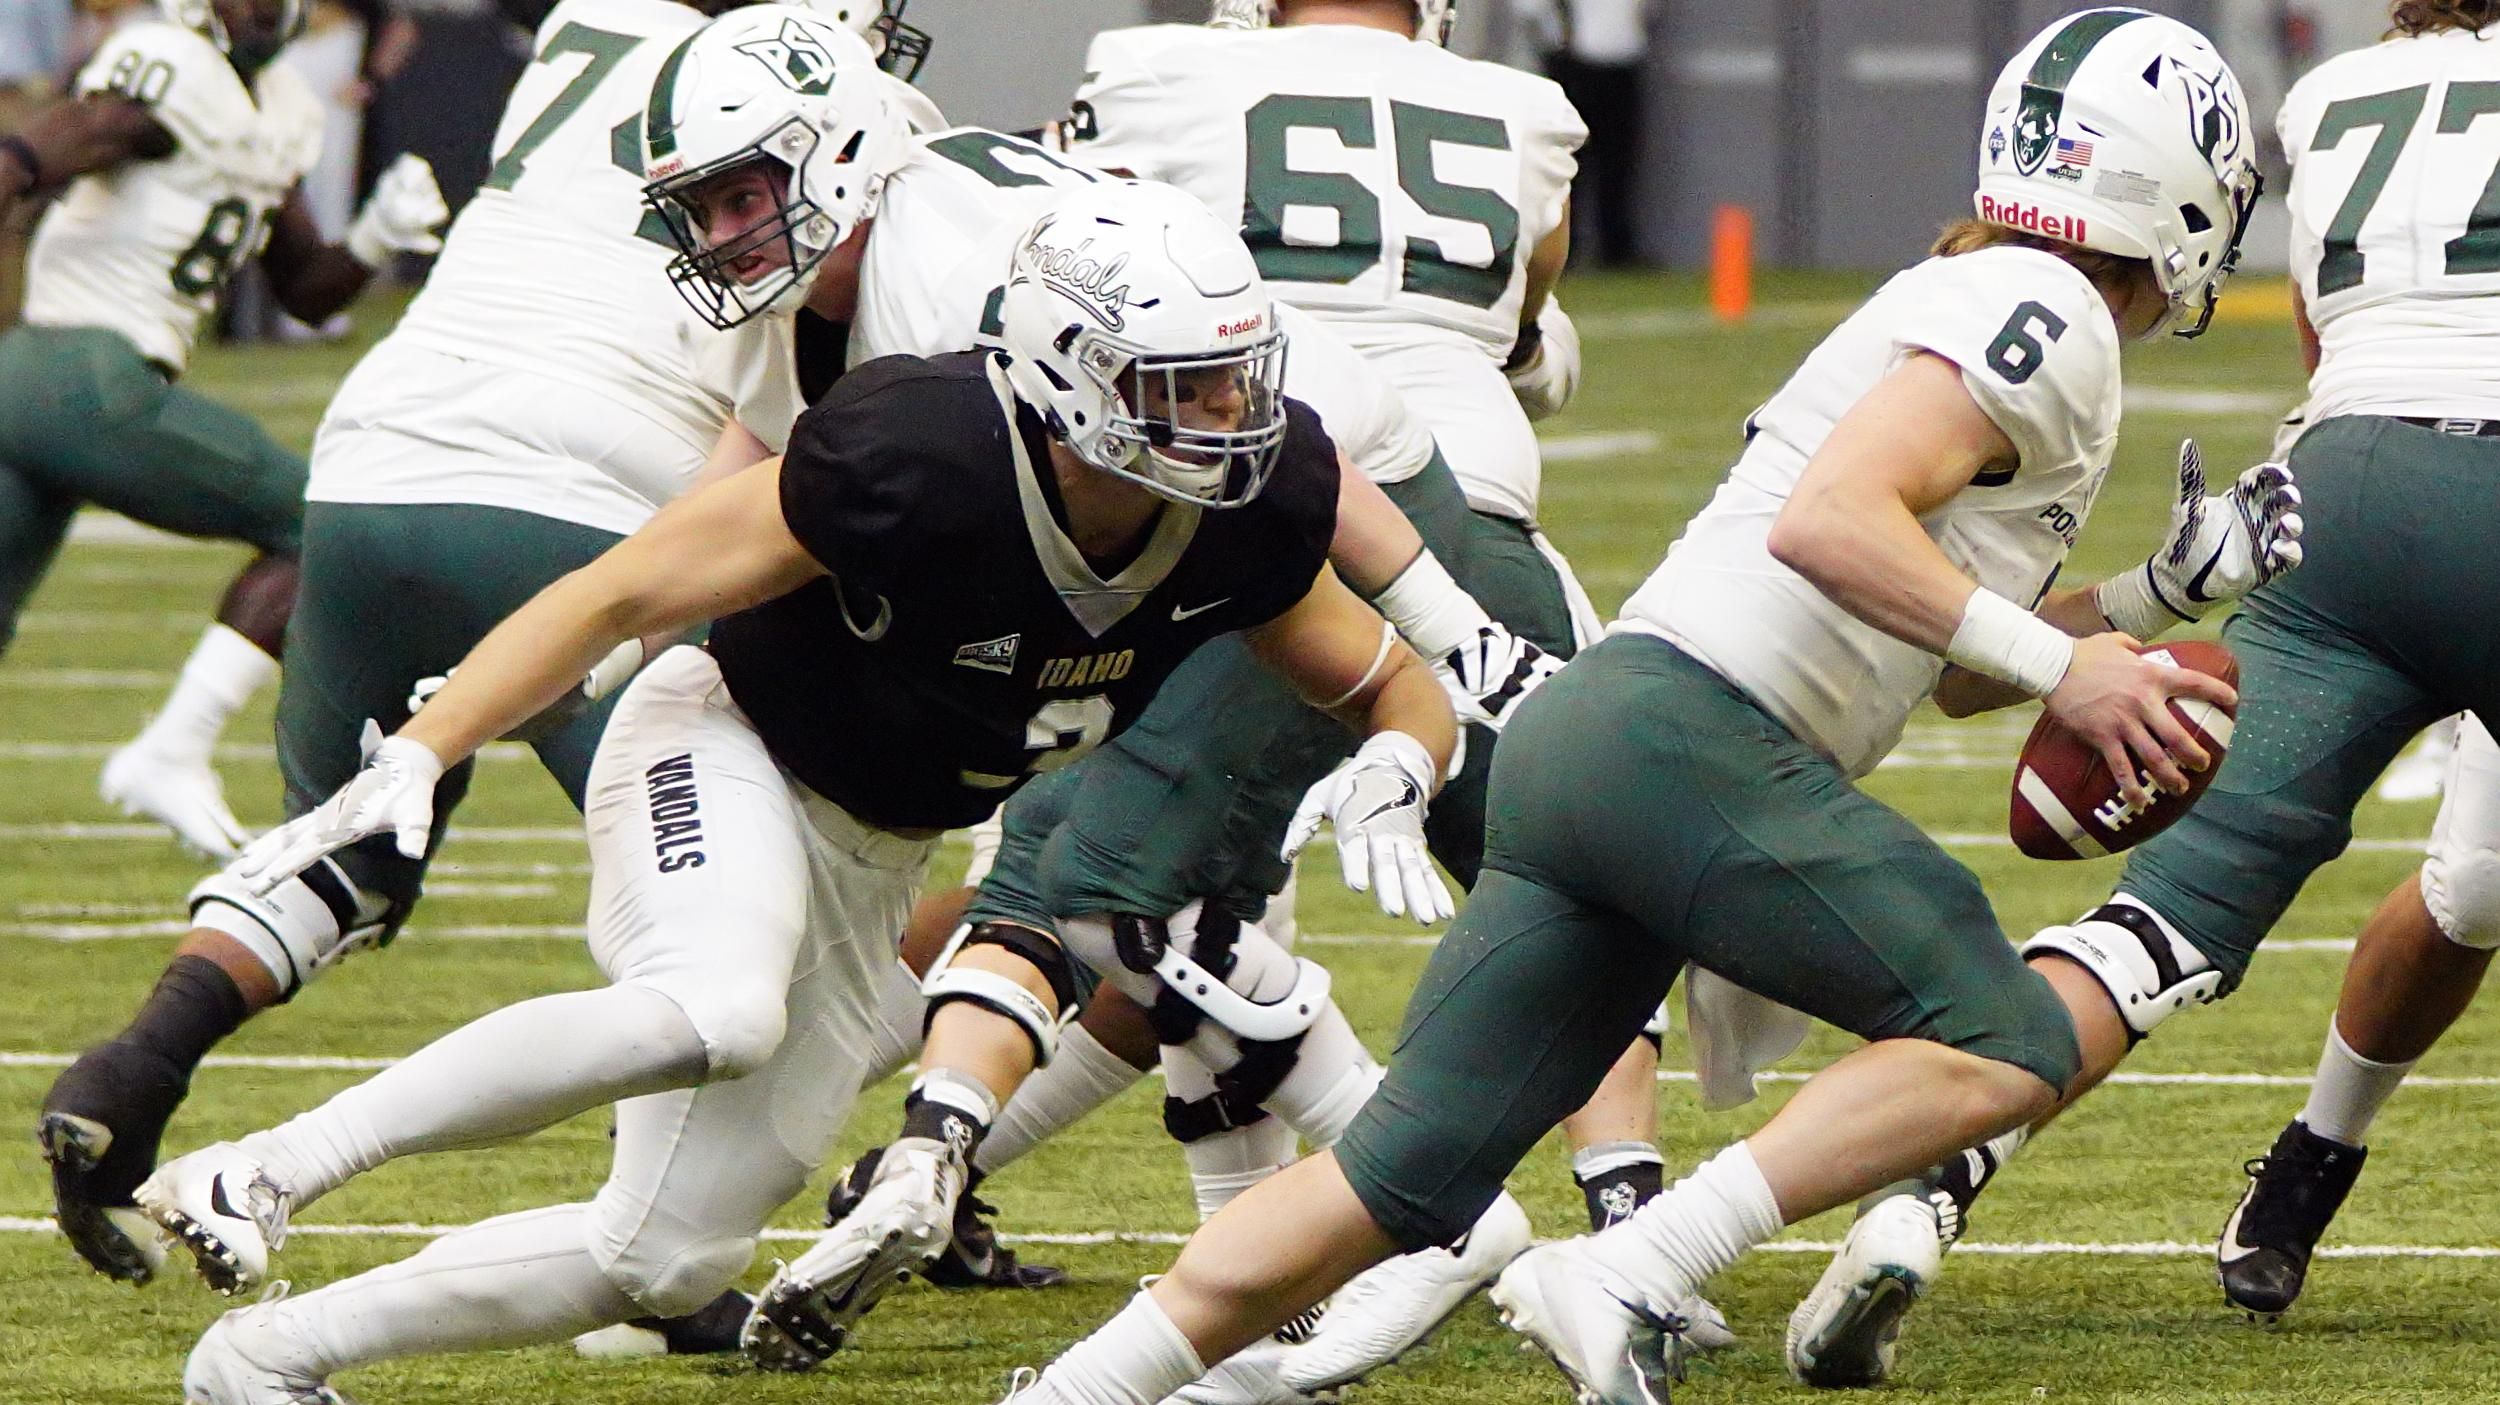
[2197,221]
[1057,380]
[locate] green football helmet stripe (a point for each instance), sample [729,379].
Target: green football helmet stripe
[2055,68]
[658,123]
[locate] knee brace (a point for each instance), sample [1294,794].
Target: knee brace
[2150,971]
[301,927]
[679,1282]
[2461,890]
[989,990]
[1213,966]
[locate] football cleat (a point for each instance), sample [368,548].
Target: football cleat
[236,1360]
[1843,1334]
[902,1221]
[181,793]
[973,1257]
[709,1330]
[99,1130]
[1598,1330]
[223,1208]
[1389,1309]
[1247,1377]
[2293,1194]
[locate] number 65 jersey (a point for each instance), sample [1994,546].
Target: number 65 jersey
[1392,188]
[141,249]
[2038,354]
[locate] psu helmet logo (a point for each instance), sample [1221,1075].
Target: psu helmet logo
[796,58]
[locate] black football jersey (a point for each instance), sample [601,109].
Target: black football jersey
[961,644]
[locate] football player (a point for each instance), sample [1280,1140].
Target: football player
[1683,792]
[982,572]
[2397,289]
[177,158]
[1444,282]
[538,401]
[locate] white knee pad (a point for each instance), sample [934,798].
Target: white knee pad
[741,1022]
[2150,971]
[675,1279]
[301,927]
[1039,1020]
[2461,867]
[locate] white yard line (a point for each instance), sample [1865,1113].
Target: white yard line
[2150,1249]
[1573,448]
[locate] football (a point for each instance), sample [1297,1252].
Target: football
[2067,805]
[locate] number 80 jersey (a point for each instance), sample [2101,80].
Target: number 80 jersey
[1380,181]
[142,249]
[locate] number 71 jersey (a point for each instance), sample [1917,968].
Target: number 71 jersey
[2395,205]
[1379,180]
[141,249]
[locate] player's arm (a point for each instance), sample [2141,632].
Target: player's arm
[72,137]
[1852,529]
[314,278]
[1344,659]
[2307,331]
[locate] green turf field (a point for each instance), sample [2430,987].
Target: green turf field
[2087,1279]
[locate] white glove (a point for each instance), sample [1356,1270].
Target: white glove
[400,216]
[393,794]
[2219,549]
[1487,676]
[604,678]
[1376,801]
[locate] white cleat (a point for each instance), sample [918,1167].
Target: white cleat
[1247,1377]
[1843,1334]
[182,794]
[220,1205]
[1390,1309]
[1598,1329]
[806,1312]
[234,1364]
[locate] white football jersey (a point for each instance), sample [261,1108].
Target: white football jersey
[936,267]
[554,272]
[142,248]
[2395,234]
[2039,354]
[1395,189]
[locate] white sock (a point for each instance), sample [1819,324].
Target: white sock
[1136,1358]
[1082,1076]
[2349,1090]
[1693,1229]
[1224,1165]
[504,1075]
[221,675]
[509,1281]
[1590,1162]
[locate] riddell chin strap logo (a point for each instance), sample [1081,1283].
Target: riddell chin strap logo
[2032,219]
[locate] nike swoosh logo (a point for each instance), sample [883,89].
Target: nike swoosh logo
[1407,796]
[2230,1250]
[2196,583]
[218,1202]
[876,628]
[1179,614]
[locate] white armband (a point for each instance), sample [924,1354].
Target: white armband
[2004,641]
[1429,609]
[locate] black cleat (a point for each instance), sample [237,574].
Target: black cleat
[708,1330]
[973,1258]
[100,1128]
[2293,1194]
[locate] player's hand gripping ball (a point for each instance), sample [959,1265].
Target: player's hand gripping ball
[2067,805]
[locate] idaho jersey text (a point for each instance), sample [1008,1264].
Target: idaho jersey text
[960,644]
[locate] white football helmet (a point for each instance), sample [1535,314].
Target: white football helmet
[201,17]
[900,48]
[1433,18]
[1119,301]
[2124,131]
[780,86]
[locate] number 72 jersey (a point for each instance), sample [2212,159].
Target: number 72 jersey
[1381,183]
[2395,205]
[142,249]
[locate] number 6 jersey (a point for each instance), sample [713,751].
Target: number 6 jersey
[141,249]
[2039,355]
[1394,189]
